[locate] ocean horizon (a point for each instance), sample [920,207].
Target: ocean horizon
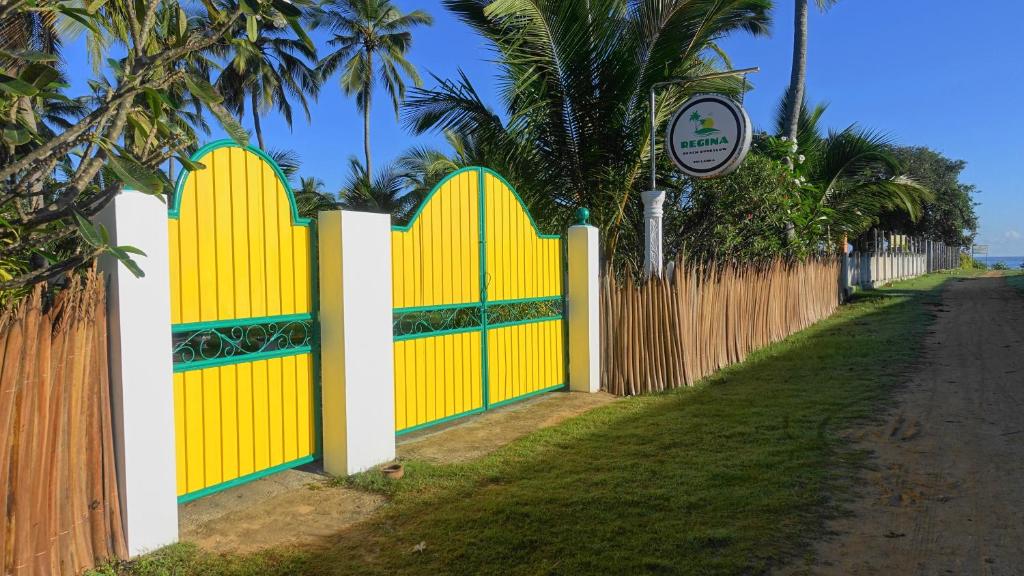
[1014,262]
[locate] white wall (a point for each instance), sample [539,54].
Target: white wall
[356,347]
[142,393]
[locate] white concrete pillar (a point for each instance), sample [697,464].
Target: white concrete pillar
[356,347]
[141,371]
[653,244]
[584,308]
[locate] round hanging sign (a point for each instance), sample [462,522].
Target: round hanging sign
[709,136]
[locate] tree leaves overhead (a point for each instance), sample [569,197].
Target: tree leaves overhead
[231,125]
[63,158]
[269,62]
[574,78]
[203,90]
[134,175]
[949,217]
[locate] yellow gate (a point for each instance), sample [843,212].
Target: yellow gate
[242,301]
[478,303]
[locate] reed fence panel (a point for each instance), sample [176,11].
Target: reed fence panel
[59,507]
[671,332]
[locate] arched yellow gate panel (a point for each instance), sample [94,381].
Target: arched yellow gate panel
[242,301]
[478,303]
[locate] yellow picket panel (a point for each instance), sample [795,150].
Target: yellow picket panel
[525,359]
[242,311]
[478,302]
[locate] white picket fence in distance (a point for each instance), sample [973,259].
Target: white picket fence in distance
[896,258]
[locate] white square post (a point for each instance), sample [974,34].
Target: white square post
[356,347]
[141,378]
[583,302]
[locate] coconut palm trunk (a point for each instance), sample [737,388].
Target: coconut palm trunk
[798,74]
[367,100]
[256,120]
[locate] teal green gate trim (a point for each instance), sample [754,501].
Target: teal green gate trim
[310,325]
[481,213]
[427,321]
[245,479]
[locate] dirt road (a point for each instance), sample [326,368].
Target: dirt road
[947,496]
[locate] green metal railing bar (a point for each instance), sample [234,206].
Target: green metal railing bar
[195,326]
[243,479]
[521,322]
[426,321]
[439,421]
[528,395]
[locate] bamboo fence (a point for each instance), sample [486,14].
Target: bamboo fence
[671,332]
[59,508]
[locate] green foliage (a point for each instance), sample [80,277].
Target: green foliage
[64,158]
[1016,280]
[821,189]
[847,179]
[575,76]
[968,262]
[310,197]
[363,31]
[386,192]
[1000,266]
[741,216]
[269,66]
[949,217]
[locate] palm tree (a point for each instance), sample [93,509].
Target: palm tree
[847,179]
[423,167]
[575,78]
[287,160]
[310,197]
[268,69]
[798,73]
[386,193]
[365,35]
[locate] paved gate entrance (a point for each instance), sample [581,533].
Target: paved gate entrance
[478,303]
[242,301]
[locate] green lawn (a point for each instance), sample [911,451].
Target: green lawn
[731,477]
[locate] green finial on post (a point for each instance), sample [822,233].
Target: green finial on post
[582,216]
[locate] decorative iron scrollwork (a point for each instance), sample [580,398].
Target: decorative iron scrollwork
[440,320]
[524,311]
[434,320]
[247,340]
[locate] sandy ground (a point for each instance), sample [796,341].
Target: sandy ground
[292,508]
[483,434]
[300,508]
[947,493]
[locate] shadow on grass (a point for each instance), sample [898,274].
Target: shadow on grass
[734,476]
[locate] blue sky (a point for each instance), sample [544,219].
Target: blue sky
[949,75]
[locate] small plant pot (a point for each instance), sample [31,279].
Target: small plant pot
[393,471]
